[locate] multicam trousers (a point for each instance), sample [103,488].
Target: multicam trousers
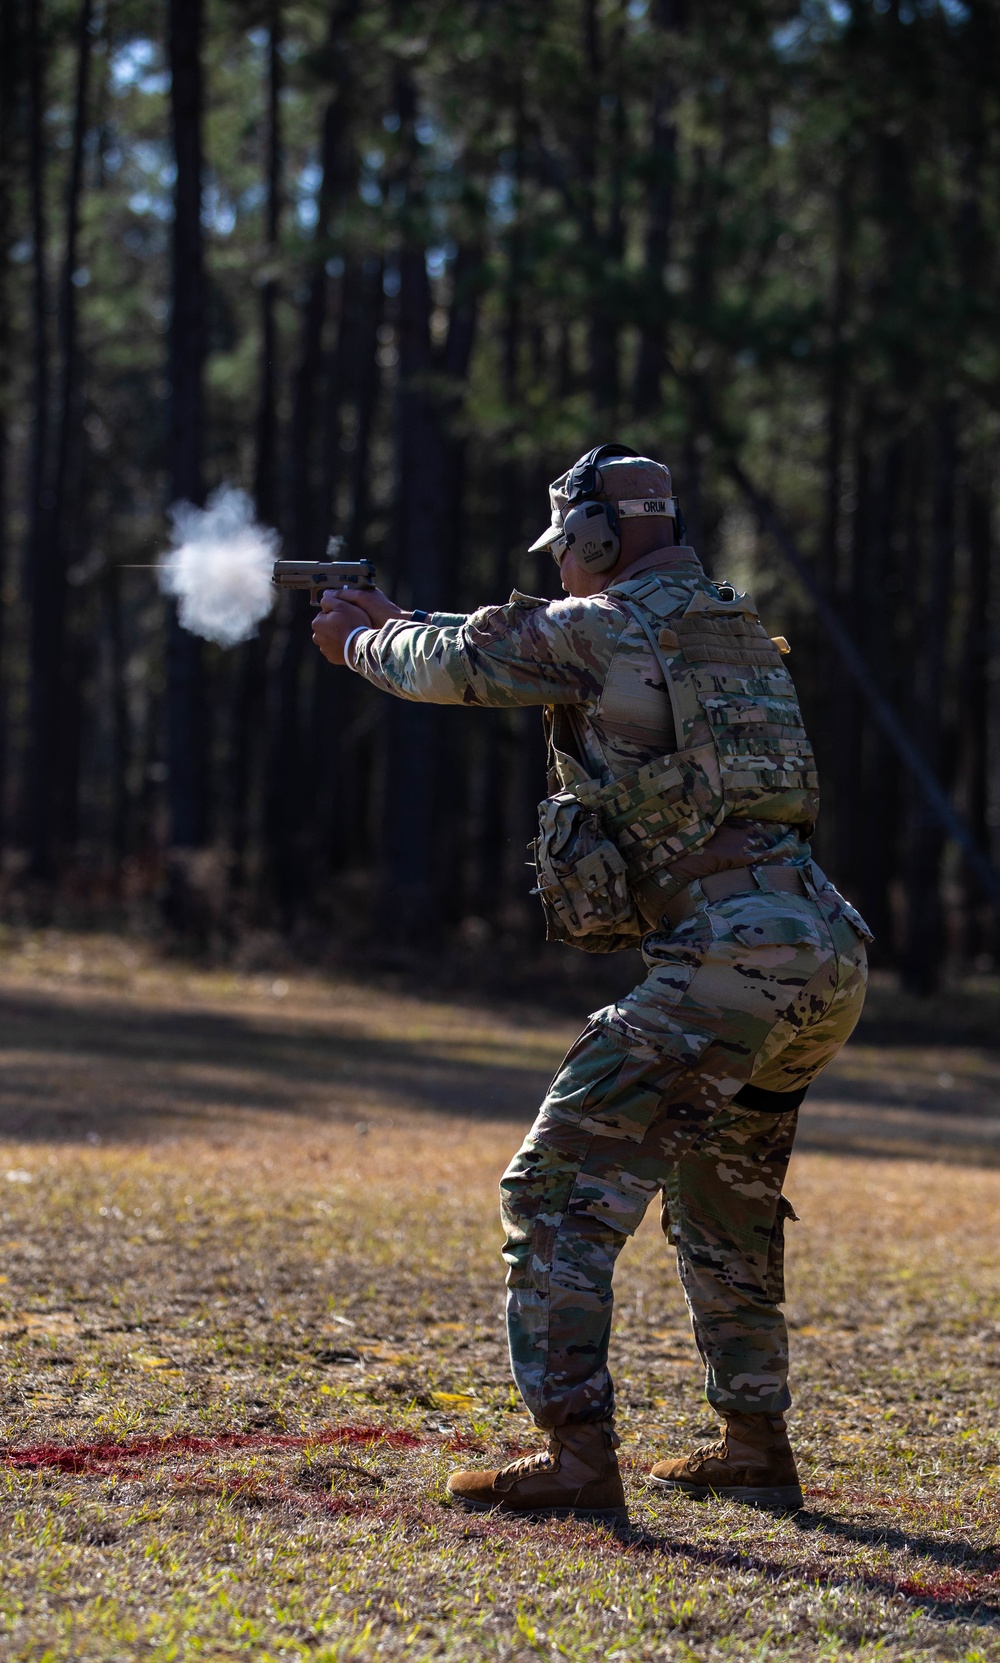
[751,995]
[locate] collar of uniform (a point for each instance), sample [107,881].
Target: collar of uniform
[676,554]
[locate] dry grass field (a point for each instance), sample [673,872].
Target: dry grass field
[252,1315]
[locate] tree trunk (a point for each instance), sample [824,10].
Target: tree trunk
[669,18]
[409,905]
[499,800]
[832,736]
[347,800]
[975,263]
[285,787]
[499,760]
[265,466]
[877,829]
[846,748]
[922,961]
[602,250]
[119,722]
[247,724]
[332,693]
[367,382]
[286,792]
[407,898]
[66,511]
[451,839]
[187,707]
[10,67]
[42,713]
[974,706]
[468,285]
[837,387]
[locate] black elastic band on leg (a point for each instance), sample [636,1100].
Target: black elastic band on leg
[769,1102]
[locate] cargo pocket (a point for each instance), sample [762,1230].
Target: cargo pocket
[624,1107]
[586,1076]
[613,1195]
[774,1285]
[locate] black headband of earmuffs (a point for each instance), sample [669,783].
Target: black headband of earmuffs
[583,480]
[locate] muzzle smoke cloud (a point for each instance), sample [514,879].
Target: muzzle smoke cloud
[219,569]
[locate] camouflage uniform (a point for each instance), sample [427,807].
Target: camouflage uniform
[753,989]
[746,998]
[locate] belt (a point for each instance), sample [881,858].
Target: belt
[744,880]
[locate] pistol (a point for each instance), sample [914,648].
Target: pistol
[317,575]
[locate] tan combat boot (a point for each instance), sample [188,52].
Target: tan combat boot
[576,1476]
[752,1463]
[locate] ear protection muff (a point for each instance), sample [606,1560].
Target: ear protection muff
[591,527]
[592,531]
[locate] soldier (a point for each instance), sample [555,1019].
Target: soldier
[683,796]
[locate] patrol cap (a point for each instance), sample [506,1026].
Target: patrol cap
[636,485]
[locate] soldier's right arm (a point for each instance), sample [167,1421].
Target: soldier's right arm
[528,652]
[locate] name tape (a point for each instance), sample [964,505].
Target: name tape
[635,508]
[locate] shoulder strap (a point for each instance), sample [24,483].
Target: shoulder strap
[646,627]
[640,617]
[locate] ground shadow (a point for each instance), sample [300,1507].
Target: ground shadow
[956,1556]
[117,1069]
[955,1595]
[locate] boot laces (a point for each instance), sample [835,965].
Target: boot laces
[709,1452]
[540,1460]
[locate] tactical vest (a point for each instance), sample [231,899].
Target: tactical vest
[742,753]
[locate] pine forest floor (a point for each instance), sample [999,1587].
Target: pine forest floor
[251,1315]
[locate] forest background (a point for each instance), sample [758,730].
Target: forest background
[390,267]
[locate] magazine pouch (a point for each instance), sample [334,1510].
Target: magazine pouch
[582,879]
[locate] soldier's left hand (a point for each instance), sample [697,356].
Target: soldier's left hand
[378,608]
[333,625]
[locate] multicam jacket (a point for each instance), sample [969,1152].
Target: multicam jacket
[657,669]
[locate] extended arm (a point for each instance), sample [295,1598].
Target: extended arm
[527,652]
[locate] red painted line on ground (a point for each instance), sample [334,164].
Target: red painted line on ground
[102,1457]
[951,1589]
